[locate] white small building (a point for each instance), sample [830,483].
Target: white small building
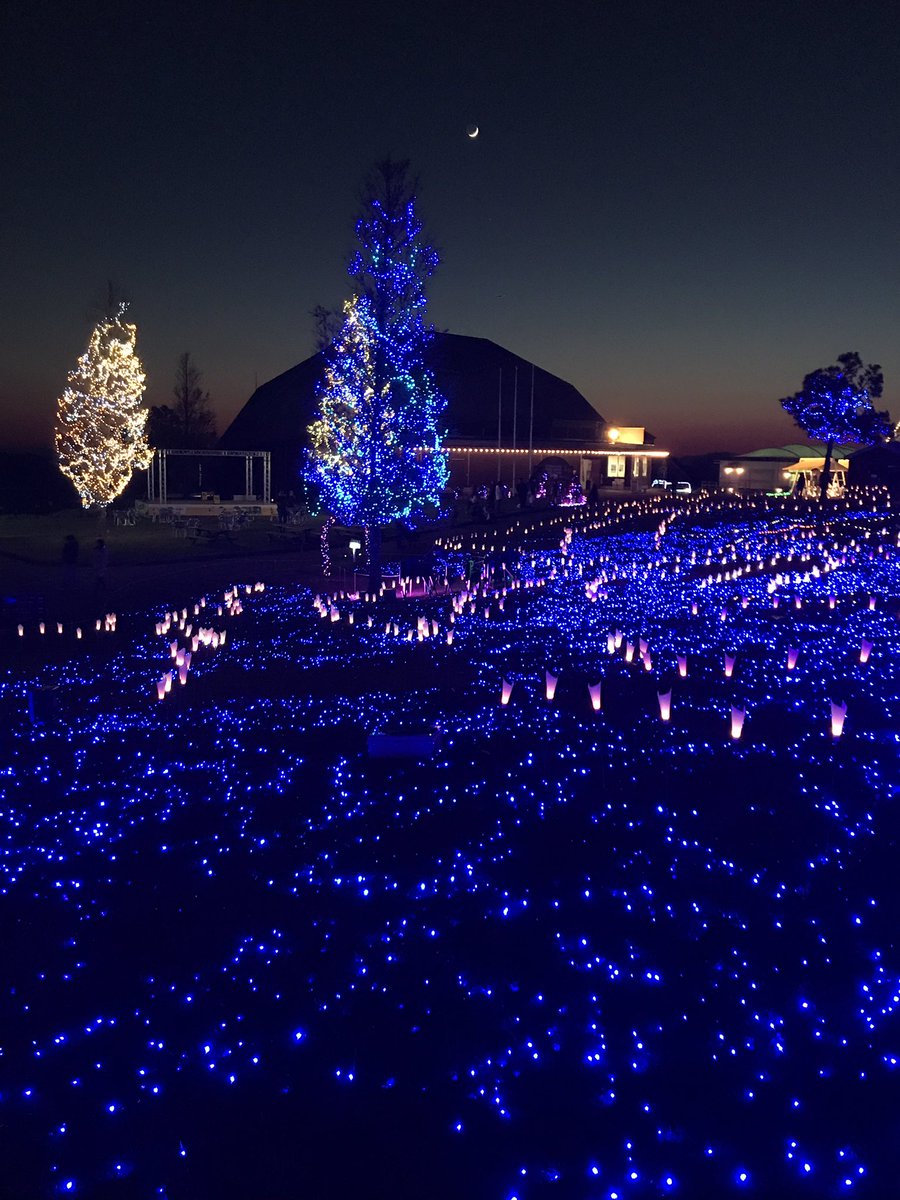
[772,469]
[806,476]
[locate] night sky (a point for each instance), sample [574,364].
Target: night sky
[680,208]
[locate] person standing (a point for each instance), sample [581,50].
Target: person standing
[498,497]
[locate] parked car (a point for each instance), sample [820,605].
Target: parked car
[661,485]
[683,487]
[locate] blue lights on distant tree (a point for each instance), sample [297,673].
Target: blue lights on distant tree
[835,406]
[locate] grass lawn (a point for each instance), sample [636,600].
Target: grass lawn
[39,539]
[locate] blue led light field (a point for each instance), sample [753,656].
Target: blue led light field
[577,951]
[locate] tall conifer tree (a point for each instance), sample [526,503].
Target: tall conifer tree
[375,453]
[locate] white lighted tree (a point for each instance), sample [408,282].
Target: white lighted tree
[100,422]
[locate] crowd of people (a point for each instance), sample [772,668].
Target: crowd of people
[488,501]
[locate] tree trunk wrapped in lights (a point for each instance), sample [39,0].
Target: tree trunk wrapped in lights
[100,422]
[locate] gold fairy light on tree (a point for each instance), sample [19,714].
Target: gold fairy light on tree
[100,423]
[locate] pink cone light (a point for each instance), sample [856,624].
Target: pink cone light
[737,722]
[838,713]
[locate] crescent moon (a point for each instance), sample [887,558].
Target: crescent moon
[472,131]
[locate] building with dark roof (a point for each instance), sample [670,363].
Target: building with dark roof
[877,466]
[505,418]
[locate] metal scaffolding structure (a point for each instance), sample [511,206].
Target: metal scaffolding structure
[157,475]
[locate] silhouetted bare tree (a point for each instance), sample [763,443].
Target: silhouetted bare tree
[189,423]
[326,326]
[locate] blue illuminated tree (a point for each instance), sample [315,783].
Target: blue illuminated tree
[834,406]
[375,451]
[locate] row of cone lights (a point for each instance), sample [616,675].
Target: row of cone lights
[203,636]
[105,624]
[838,711]
[614,642]
[624,510]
